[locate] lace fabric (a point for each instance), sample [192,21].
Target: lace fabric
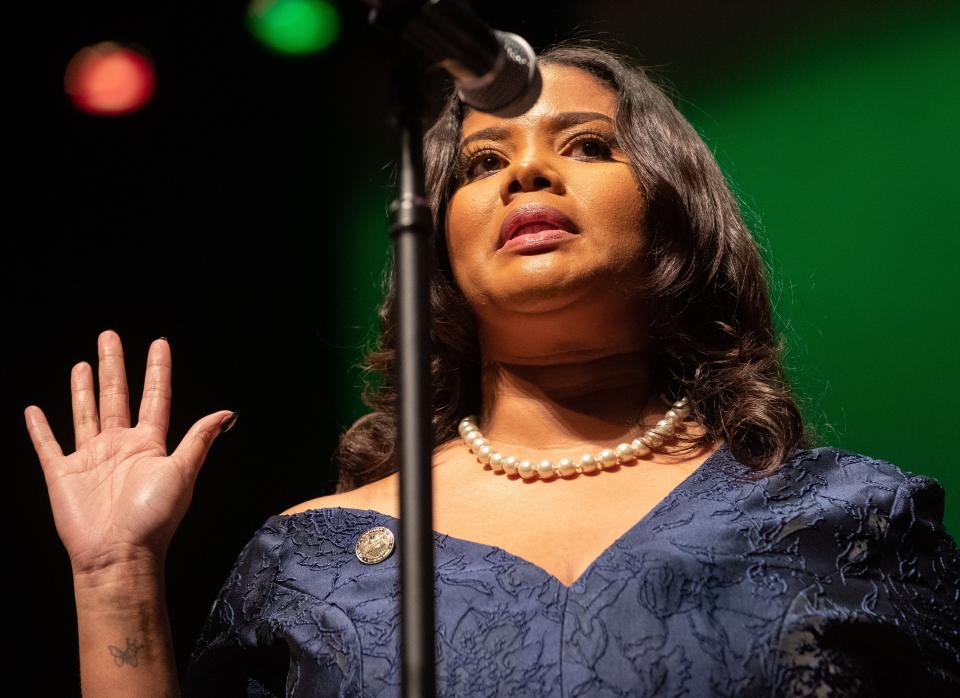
[832,576]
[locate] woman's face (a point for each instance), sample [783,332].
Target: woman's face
[561,154]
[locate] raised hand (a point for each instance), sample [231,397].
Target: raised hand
[119,497]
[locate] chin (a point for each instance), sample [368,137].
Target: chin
[537,296]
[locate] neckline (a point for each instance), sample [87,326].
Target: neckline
[606,552]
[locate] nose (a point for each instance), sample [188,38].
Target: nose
[530,173]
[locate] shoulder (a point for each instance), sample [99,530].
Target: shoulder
[849,463]
[839,472]
[823,476]
[829,494]
[380,495]
[342,499]
[852,490]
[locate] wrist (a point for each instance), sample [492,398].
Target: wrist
[121,586]
[117,559]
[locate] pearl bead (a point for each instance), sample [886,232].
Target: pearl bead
[682,402]
[471,435]
[607,457]
[624,453]
[545,469]
[510,465]
[588,464]
[673,415]
[478,442]
[496,462]
[526,470]
[664,427]
[566,467]
[483,454]
[652,439]
[640,449]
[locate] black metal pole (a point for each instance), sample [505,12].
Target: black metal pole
[411,227]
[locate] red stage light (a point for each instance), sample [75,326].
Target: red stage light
[109,79]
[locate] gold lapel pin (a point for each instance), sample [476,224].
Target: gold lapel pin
[374,545]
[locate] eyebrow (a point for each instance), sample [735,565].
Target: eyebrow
[560,121]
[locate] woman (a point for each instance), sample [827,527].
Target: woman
[633,509]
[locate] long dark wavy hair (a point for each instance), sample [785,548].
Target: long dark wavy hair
[711,327]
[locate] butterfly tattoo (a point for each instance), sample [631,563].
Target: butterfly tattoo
[125,656]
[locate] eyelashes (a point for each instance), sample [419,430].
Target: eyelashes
[467,162]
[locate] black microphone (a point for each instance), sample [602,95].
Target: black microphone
[493,71]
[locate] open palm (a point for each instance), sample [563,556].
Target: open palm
[119,495]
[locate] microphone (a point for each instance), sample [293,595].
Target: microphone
[494,71]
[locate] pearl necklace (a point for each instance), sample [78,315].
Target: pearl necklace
[587,463]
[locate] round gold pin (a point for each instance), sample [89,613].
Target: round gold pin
[374,545]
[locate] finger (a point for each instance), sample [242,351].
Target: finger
[157,391]
[114,395]
[44,442]
[86,421]
[193,449]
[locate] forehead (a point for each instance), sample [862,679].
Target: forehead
[565,89]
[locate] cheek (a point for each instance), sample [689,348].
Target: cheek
[617,214]
[462,238]
[466,228]
[453,231]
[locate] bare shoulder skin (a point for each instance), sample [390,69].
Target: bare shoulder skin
[380,495]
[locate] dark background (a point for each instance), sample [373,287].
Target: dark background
[242,215]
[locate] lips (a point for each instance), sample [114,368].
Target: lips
[533,217]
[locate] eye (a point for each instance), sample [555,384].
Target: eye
[475,163]
[593,145]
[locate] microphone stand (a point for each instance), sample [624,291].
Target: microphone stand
[411,227]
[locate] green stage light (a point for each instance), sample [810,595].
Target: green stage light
[294,26]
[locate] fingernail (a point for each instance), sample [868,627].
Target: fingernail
[165,340]
[228,422]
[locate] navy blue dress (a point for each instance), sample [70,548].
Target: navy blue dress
[833,576]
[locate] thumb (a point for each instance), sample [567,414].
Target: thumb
[193,448]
